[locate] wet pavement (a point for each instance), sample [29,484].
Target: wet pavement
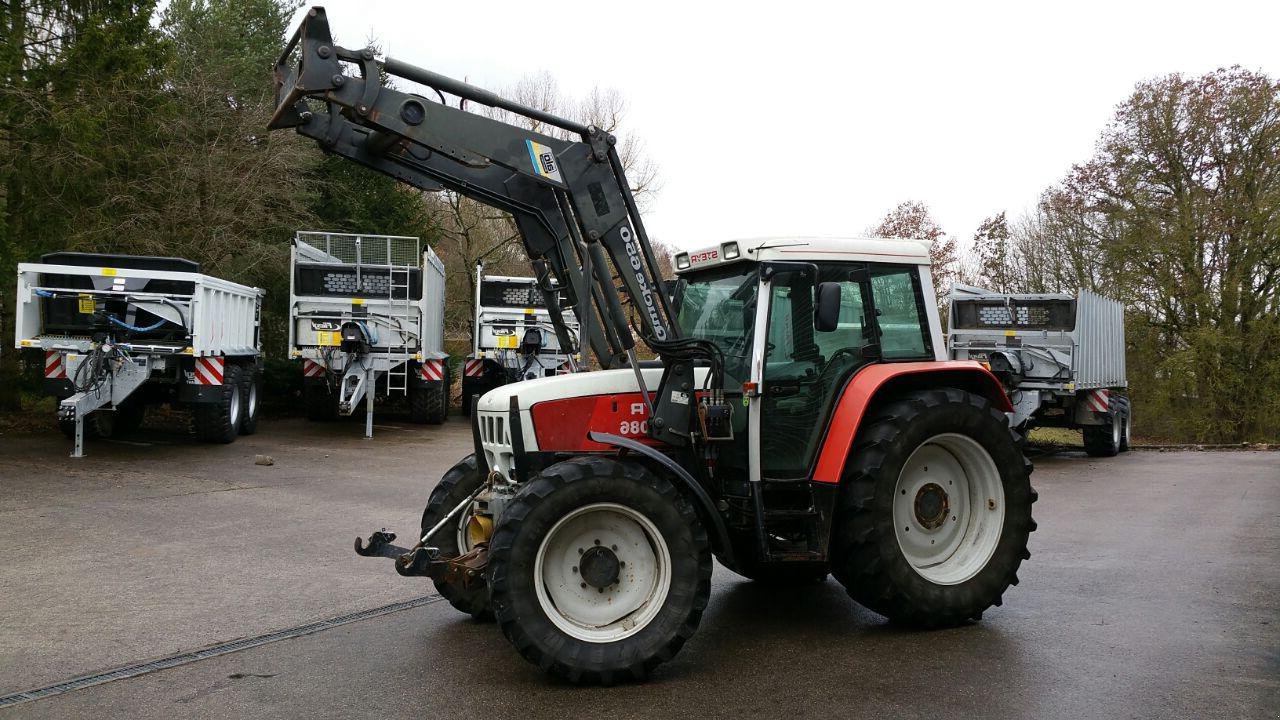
[1153,591]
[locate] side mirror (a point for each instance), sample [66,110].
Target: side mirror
[826,310]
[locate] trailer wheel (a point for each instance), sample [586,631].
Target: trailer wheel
[319,400]
[250,394]
[426,404]
[935,511]
[456,486]
[1124,432]
[1104,440]
[220,421]
[599,570]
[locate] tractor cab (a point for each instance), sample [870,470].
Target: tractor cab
[794,318]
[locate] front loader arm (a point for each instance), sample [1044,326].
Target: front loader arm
[569,198]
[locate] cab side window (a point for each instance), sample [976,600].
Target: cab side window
[904,333]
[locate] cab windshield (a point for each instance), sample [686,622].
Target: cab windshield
[720,305]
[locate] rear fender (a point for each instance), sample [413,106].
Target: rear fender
[876,382]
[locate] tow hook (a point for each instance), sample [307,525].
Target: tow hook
[425,561]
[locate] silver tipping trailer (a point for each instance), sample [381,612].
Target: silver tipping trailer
[366,317]
[1061,357]
[120,332]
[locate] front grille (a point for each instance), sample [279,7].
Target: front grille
[493,430]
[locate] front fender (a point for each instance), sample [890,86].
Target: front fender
[874,380]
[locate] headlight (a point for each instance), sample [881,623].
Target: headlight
[729,251]
[682,261]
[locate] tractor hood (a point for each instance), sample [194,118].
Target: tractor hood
[559,387]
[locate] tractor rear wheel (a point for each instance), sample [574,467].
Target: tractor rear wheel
[599,570]
[457,485]
[935,511]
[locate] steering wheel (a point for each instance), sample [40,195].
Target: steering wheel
[832,362]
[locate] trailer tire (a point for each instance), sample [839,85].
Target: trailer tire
[320,402]
[1104,440]
[644,535]
[888,491]
[427,405]
[457,485]
[219,422]
[251,395]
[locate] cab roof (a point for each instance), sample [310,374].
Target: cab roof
[806,248]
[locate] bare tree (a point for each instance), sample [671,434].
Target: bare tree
[911,220]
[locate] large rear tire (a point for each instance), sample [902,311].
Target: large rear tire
[940,466]
[456,486]
[599,570]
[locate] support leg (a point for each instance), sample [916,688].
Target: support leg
[370,391]
[78,450]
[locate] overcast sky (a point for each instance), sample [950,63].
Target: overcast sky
[816,118]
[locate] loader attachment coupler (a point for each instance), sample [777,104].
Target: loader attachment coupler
[569,198]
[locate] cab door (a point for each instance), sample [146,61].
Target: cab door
[801,370]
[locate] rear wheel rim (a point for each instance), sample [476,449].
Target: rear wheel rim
[948,509]
[582,553]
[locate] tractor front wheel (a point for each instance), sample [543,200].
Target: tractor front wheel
[599,570]
[935,510]
[469,596]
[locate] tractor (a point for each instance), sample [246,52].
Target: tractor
[801,418]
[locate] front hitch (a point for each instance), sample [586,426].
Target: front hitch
[425,561]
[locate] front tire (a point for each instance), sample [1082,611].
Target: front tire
[940,466]
[599,570]
[456,486]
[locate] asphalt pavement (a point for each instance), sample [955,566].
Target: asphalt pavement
[1153,590]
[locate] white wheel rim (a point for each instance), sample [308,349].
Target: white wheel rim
[253,400]
[948,509]
[235,406]
[618,610]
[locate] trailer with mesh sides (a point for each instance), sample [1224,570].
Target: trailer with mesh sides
[514,337]
[1061,357]
[119,333]
[366,320]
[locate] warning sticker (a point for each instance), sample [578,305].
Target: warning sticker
[328,338]
[506,342]
[86,304]
[544,161]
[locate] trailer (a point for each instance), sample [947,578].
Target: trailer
[366,318]
[514,337]
[1060,356]
[121,332]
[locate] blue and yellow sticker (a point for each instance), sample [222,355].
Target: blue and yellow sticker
[544,161]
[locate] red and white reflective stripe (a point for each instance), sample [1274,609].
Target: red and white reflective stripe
[432,369]
[472,367]
[1098,400]
[209,370]
[54,369]
[311,368]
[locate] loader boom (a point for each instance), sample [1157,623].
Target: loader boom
[569,198]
